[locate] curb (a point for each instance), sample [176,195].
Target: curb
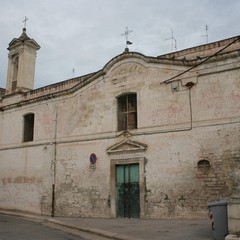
[99,232]
[23,215]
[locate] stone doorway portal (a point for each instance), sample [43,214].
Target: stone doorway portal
[127,179]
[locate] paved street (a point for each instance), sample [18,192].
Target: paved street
[12,226]
[15,228]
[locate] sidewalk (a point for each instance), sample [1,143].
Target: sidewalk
[132,229]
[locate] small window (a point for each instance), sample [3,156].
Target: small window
[28,127]
[127,112]
[204,164]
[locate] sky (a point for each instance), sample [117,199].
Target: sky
[86,34]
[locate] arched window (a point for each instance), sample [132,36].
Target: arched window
[204,164]
[14,73]
[28,128]
[127,112]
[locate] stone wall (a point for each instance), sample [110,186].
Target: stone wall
[176,186]
[26,180]
[81,189]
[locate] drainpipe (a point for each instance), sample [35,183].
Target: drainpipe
[54,161]
[53,200]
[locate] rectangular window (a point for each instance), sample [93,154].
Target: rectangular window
[127,112]
[28,127]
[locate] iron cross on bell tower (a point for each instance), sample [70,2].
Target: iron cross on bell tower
[126,33]
[25,22]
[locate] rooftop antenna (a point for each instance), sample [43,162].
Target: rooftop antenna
[173,41]
[206,34]
[73,71]
[126,33]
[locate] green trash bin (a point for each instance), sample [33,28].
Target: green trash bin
[219,218]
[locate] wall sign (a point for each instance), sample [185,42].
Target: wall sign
[93,158]
[92,168]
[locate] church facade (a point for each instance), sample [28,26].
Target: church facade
[144,137]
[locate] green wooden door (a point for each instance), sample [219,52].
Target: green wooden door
[127,189]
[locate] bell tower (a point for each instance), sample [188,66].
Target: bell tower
[21,63]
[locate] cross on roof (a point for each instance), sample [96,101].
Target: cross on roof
[126,33]
[25,21]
